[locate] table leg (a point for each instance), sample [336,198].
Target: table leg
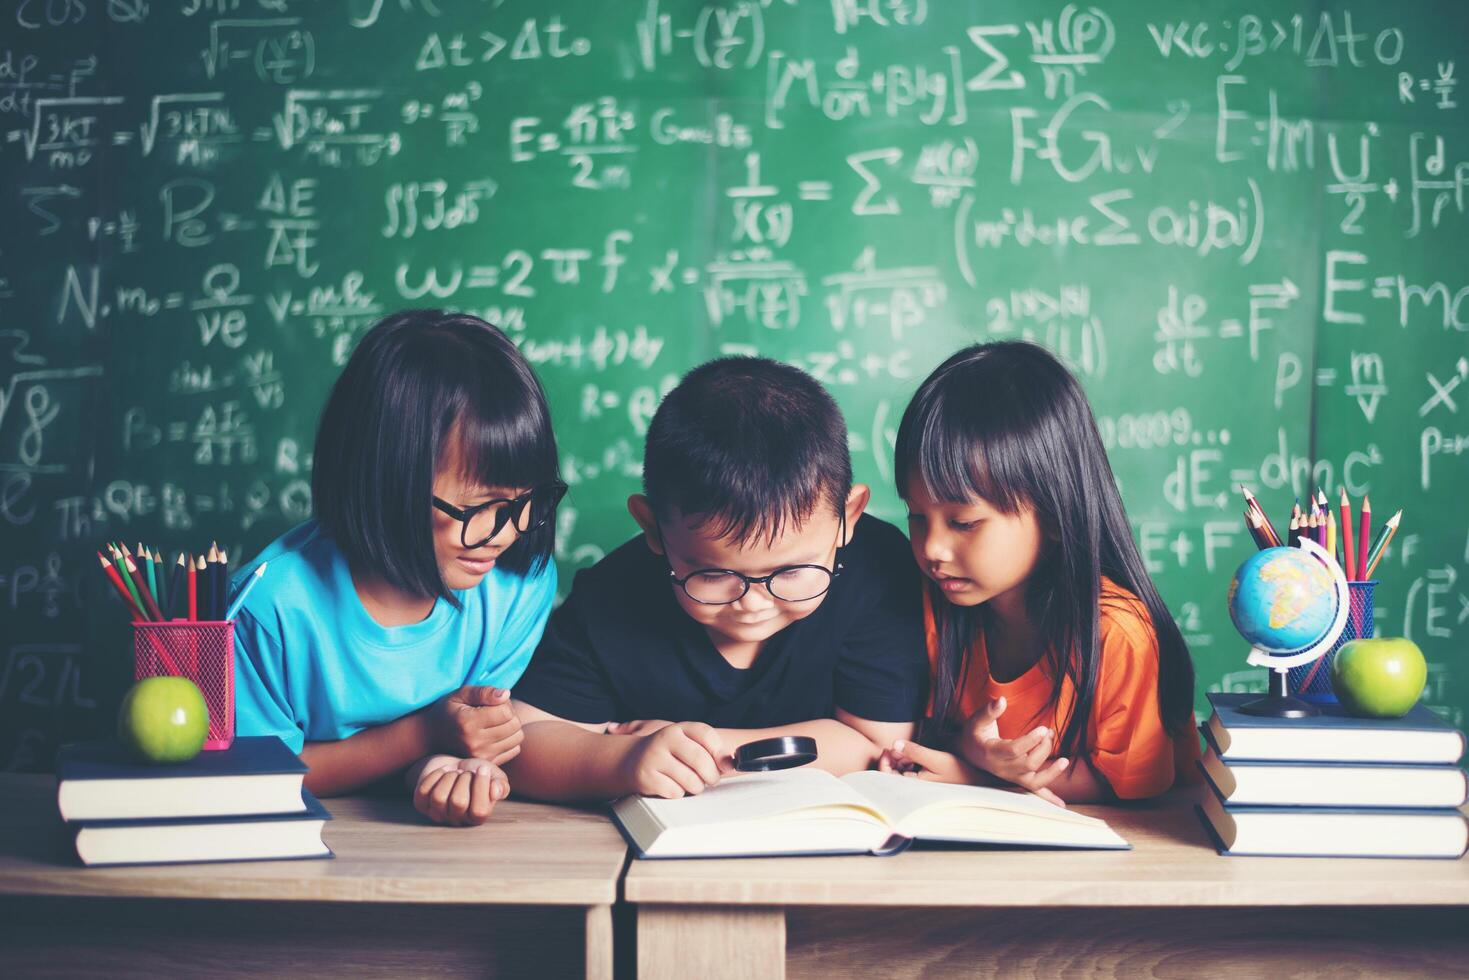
[713,943]
[599,942]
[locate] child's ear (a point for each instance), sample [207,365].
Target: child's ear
[857,500]
[642,512]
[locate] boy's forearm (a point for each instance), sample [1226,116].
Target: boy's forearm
[352,763]
[561,762]
[840,748]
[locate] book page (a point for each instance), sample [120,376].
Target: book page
[901,798]
[762,796]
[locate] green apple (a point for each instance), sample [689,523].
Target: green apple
[1380,678]
[164,720]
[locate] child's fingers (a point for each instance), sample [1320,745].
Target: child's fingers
[710,740]
[1044,777]
[493,722]
[1022,746]
[920,754]
[458,808]
[946,774]
[423,792]
[665,785]
[698,758]
[434,793]
[1050,797]
[1037,756]
[507,755]
[481,695]
[480,800]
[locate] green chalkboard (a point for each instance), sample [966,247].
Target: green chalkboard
[1244,227]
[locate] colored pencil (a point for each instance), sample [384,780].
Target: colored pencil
[1383,538]
[160,570]
[142,586]
[1331,535]
[221,585]
[1257,532]
[120,563]
[224,583]
[1348,553]
[193,588]
[1363,536]
[203,588]
[1265,524]
[1294,531]
[145,562]
[176,589]
[244,591]
[116,580]
[215,609]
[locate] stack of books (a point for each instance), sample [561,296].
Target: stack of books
[244,803]
[1333,785]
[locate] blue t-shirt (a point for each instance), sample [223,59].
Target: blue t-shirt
[311,665]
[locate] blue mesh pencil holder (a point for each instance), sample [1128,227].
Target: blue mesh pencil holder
[1312,682]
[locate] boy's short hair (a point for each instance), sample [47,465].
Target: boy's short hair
[417,379]
[747,445]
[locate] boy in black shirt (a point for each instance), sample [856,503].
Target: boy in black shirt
[757,601]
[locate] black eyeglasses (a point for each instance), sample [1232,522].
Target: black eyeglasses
[483,522]
[789,583]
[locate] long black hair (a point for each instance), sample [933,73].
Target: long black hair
[1008,423]
[416,378]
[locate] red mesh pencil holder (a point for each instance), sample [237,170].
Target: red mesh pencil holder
[1312,682]
[202,652]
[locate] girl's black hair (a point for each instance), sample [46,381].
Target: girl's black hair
[416,379]
[1008,423]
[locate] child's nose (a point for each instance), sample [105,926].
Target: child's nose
[934,546]
[756,599]
[506,536]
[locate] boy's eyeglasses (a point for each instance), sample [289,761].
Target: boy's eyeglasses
[789,583]
[483,522]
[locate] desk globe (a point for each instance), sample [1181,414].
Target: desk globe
[1290,605]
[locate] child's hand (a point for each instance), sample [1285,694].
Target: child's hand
[676,760]
[1016,760]
[646,726]
[459,792]
[912,759]
[478,722]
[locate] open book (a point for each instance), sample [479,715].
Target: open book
[809,811]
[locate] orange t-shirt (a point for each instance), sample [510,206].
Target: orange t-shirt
[1129,745]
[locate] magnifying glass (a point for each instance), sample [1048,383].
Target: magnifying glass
[770,754]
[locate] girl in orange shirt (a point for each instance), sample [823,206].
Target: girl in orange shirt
[1048,642]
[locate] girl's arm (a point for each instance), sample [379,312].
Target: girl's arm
[474,721]
[340,767]
[1081,784]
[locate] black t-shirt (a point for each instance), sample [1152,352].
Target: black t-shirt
[620,648]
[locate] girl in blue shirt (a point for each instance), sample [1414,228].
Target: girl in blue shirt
[387,631]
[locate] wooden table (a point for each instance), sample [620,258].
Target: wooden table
[529,893]
[1169,907]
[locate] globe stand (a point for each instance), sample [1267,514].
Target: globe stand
[1278,703]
